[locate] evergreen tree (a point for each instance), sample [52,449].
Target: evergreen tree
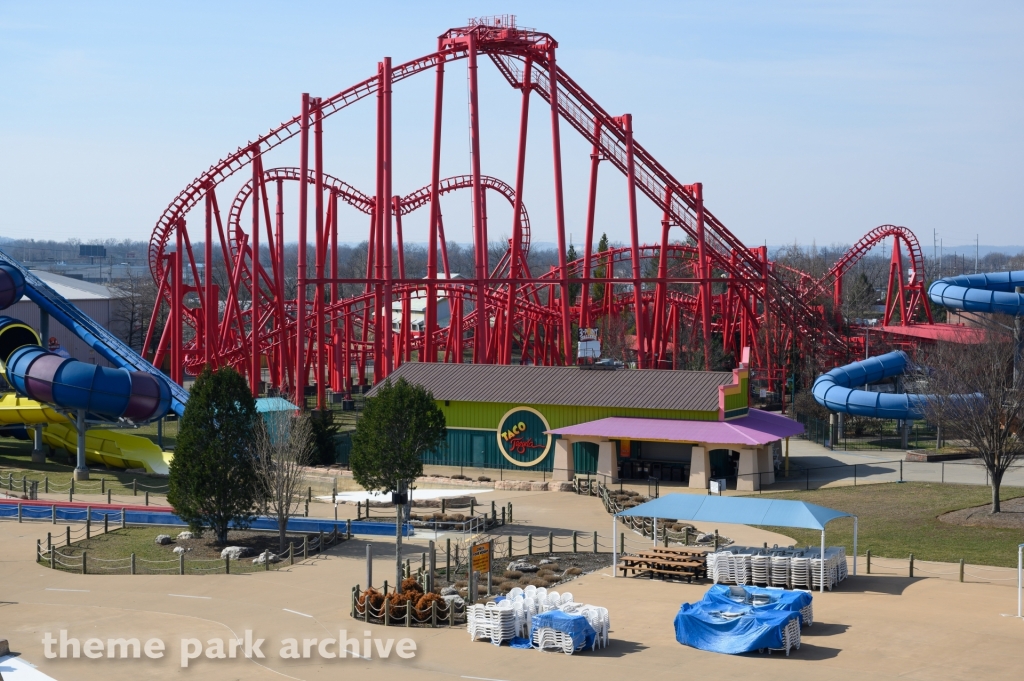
[324,429]
[212,476]
[399,425]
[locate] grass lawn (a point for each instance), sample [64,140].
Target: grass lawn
[897,519]
[110,553]
[16,459]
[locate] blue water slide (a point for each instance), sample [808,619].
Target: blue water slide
[992,293]
[133,389]
[834,390]
[986,293]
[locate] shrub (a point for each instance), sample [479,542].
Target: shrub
[376,598]
[525,580]
[507,586]
[483,478]
[545,574]
[423,605]
[397,603]
[457,517]
[553,567]
[461,584]
[512,574]
[573,571]
[538,582]
[409,584]
[460,477]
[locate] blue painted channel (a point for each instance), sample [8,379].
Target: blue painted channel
[8,510]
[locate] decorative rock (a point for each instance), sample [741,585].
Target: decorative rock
[180,549]
[522,566]
[185,535]
[453,599]
[701,538]
[236,552]
[449,591]
[546,561]
[163,539]
[264,557]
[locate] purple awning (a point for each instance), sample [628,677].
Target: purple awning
[756,428]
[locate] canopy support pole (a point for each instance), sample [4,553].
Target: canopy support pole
[821,563]
[854,546]
[615,546]
[654,532]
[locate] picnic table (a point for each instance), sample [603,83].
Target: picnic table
[664,564]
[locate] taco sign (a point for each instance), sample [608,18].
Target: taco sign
[522,438]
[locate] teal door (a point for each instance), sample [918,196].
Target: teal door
[478,450]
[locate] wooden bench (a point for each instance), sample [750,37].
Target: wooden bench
[637,569]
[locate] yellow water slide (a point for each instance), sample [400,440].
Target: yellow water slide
[113,448]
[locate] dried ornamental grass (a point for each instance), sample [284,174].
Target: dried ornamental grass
[512,574]
[409,584]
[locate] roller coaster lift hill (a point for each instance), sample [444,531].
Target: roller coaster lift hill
[706,283]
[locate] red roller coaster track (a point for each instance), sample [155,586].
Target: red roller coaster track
[676,297]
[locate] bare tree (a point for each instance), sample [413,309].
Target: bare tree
[284,445]
[133,305]
[975,393]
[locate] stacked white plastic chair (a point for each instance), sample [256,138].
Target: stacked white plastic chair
[741,569]
[800,573]
[790,636]
[779,571]
[545,638]
[493,621]
[816,573]
[760,569]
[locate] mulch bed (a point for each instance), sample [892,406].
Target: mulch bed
[257,541]
[1011,515]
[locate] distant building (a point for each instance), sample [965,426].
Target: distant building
[93,299]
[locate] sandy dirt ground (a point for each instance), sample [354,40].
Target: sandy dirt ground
[870,627]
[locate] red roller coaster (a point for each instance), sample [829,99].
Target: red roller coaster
[677,296]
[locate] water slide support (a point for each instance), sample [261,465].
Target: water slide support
[38,448]
[81,469]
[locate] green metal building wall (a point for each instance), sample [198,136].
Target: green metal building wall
[473,441]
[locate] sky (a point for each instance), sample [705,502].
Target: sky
[806,122]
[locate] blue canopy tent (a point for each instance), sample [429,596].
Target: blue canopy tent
[739,511]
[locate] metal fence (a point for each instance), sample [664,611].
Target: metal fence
[968,472]
[868,434]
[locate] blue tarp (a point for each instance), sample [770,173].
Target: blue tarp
[576,626]
[705,626]
[788,601]
[737,510]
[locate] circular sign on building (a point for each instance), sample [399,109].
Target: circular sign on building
[521,436]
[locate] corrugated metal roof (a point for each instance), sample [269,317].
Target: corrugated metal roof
[74,289]
[625,388]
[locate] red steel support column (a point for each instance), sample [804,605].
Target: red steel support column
[517,207]
[660,319]
[556,148]
[638,302]
[318,155]
[300,295]
[255,372]
[704,274]
[479,233]
[178,306]
[389,339]
[429,349]
[209,302]
[595,161]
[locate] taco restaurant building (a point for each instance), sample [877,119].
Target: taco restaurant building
[682,426]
